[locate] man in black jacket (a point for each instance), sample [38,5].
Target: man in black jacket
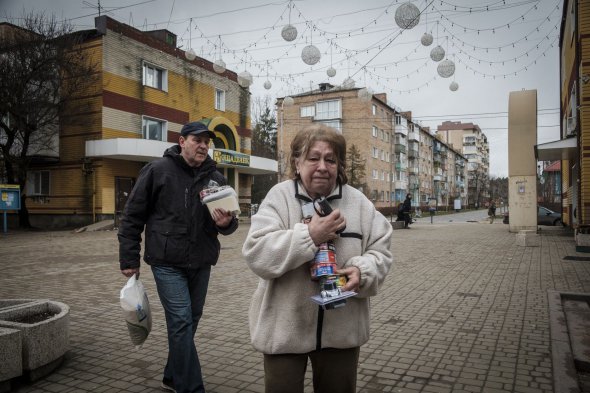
[181,243]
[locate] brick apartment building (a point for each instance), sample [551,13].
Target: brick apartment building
[401,156]
[473,144]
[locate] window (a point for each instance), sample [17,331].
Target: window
[328,110]
[220,100]
[155,77]
[398,120]
[375,153]
[154,129]
[375,131]
[307,111]
[382,175]
[38,183]
[374,109]
[375,174]
[333,123]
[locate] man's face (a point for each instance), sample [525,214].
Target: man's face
[194,148]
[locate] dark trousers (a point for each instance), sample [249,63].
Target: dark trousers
[334,371]
[182,294]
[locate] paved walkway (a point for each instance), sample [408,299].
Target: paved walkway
[464,309]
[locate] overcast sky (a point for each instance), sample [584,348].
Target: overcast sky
[498,46]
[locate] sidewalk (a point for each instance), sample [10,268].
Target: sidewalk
[464,309]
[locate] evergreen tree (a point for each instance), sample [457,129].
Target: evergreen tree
[264,144]
[355,169]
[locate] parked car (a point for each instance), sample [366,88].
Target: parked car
[544,217]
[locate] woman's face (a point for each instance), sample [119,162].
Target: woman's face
[318,170]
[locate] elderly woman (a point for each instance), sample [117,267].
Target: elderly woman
[285,325]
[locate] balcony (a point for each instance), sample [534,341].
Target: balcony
[400,166]
[401,129]
[413,136]
[401,184]
[399,148]
[437,178]
[413,169]
[436,158]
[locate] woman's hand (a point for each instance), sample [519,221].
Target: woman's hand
[323,229]
[222,217]
[353,274]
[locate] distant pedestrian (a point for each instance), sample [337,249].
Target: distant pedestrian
[492,211]
[407,210]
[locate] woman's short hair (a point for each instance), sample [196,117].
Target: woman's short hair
[318,133]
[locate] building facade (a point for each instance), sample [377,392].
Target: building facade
[401,156]
[145,90]
[473,144]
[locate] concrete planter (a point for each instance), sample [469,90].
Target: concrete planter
[14,303]
[582,242]
[44,332]
[11,355]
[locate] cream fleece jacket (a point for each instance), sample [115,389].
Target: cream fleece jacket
[283,319]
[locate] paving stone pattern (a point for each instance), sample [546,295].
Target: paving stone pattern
[464,309]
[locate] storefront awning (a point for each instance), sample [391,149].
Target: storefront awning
[564,149]
[132,149]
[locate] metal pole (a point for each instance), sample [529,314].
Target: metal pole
[5,222]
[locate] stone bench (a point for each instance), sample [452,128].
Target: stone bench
[397,224]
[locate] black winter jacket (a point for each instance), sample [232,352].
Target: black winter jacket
[179,231]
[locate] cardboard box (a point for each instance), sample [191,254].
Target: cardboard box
[226,199]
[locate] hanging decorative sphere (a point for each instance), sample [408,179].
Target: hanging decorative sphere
[437,53]
[289,33]
[190,54]
[310,55]
[219,66]
[426,39]
[407,16]
[454,86]
[446,68]
[365,94]
[288,101]
[267,85]
[348,83]
[245,79]
[331,72]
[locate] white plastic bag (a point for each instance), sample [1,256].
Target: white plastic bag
[136,309]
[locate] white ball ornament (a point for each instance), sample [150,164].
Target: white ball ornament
[289,33]
[407,16]
[310,55]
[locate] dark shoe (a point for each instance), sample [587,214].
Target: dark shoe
[168,384]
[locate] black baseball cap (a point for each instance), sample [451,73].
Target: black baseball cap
[196,128]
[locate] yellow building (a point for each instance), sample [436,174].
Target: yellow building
[145,89]
[574,141]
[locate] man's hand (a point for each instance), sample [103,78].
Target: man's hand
[222,217]
[130,272]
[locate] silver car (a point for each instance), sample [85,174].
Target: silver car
[548,217]
[544,217]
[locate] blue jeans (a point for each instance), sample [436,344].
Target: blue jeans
[182,294]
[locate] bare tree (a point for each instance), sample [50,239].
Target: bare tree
[44,73]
